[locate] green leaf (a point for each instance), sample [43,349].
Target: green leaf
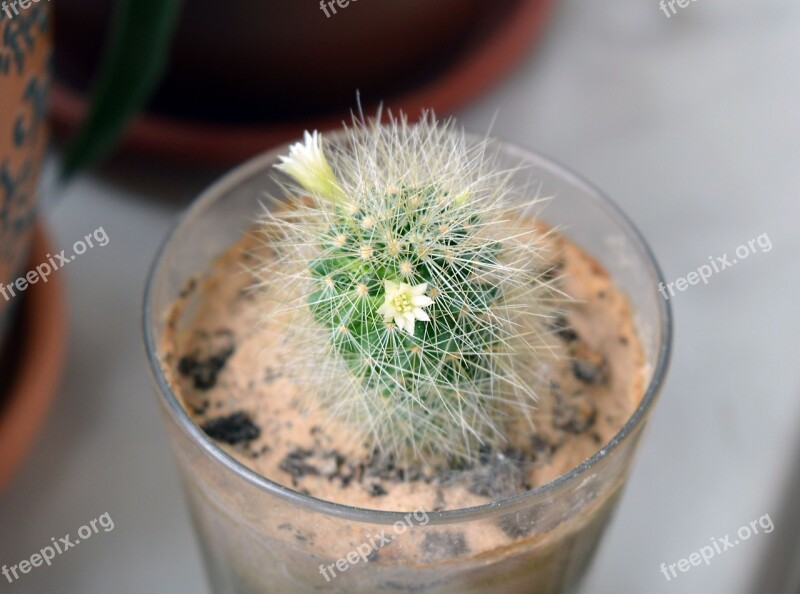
[134,61]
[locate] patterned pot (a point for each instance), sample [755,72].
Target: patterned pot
[25,60]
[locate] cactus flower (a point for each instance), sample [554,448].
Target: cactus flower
[308,165]
[404,304]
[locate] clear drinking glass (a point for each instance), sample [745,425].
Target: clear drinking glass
[258,536]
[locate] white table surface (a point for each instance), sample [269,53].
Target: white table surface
[690,123]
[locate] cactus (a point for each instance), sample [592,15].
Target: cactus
[417,286]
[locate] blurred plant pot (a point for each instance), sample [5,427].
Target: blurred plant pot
[32,320]
[249,114]
[25,56]
[259,59]
[32,365]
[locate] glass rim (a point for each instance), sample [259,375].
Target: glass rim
[384,517]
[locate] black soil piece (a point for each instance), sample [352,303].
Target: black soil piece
[589,366]
[385,468]
[443,545]
[188,288]
[499,475]
[564,330]
[232,429]
[295,463]
[553,272]
[201,409]
[350,473]
[373,473]
[376,490]
[588,372]
[542,449]
[270,375]
[204,366]
[576,417]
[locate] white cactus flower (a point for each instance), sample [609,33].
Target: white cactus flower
[308,165]
[403,304]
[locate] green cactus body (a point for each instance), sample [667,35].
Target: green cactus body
[440,359]
[424,298]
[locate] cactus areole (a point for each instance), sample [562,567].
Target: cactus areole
[417,284]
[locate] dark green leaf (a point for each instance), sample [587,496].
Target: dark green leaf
[132,66]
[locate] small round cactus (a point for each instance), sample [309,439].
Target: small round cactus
[416,283]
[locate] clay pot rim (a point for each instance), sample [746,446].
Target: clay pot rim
[29,395]
[170,402]
[476,70]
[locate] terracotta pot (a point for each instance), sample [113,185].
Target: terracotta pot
[25,55]
[30,371]
[259,59]
[491,49]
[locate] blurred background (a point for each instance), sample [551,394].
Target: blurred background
[689,122]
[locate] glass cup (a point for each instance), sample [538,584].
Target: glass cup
[260,536]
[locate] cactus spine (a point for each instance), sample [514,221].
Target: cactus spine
[416,286]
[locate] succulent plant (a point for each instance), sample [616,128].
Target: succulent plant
[416,284]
